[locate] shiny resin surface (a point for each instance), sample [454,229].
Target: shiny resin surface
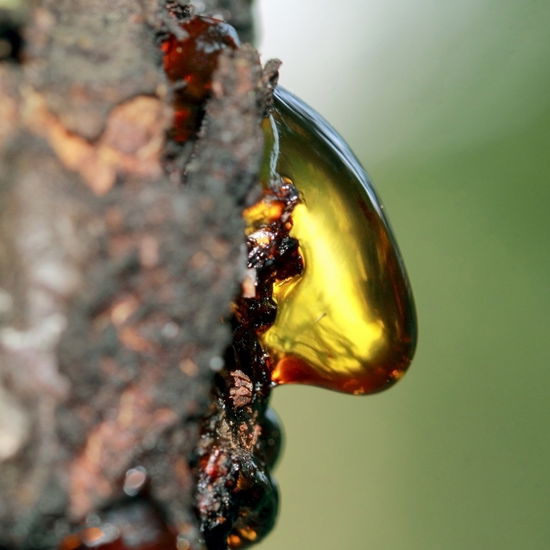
[347,322]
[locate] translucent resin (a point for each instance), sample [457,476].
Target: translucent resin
[347,322]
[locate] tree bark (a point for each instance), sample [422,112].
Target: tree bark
[113,274]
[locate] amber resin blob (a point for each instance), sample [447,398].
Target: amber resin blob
[189,61]
[347,322]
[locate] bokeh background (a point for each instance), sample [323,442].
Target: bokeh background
[447,103]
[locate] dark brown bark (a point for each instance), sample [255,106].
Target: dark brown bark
[113,275]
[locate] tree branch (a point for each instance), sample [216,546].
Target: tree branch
[113,275]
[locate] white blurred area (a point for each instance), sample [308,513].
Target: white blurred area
[405,68]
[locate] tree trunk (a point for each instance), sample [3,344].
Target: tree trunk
[114,274]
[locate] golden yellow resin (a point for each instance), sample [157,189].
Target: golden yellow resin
[348,322]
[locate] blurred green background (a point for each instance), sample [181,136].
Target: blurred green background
[448,106]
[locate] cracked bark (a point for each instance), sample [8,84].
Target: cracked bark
[113,275]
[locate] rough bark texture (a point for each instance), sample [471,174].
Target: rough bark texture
[113,275]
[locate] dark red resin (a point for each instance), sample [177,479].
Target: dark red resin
[189,62]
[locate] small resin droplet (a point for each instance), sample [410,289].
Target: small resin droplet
[347,322]
[189,62]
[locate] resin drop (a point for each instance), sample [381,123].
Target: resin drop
[189,62]
[347,322]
